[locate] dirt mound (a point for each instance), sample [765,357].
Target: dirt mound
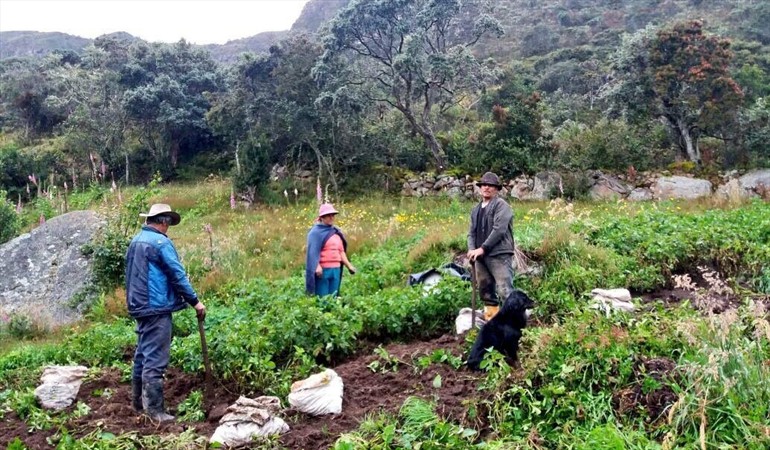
[367,392]
[651,391]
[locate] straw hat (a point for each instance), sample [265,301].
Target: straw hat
[162,209]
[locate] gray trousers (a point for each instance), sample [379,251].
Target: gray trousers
[494,276]
[152,348]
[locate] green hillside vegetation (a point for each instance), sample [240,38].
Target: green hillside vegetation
[671,375]
[572,85]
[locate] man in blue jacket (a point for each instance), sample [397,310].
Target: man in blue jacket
[156,286]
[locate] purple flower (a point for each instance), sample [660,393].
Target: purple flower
[42,219]
[232,200]
[207,228]
[319,195]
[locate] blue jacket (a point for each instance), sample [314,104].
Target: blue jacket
[156,282]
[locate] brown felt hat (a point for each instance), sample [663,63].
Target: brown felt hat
[490,179]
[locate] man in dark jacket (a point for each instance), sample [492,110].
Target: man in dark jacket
[156,286]
[490,244]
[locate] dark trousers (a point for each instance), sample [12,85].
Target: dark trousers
[494,276]
[152,348]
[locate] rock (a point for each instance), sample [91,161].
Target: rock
[608,188]
[733,191]
[521,187]
[457,183]
[318,394]
[678,187]
[640,195]
[303,174]
[753,180]
[454,192]
[60,386]
[546,184]
[44,269]
[248,418]
[443,182]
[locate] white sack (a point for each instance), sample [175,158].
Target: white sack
[464,320]
[609,300]
[248,418]
[60,386]
[318,394]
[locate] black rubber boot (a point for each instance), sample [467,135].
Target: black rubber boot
[152,400]
[136,394]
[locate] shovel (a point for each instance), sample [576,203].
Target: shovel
[474,289]
[205,351]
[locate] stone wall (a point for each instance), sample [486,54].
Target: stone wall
[641,187]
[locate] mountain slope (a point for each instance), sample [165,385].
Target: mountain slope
[36,43]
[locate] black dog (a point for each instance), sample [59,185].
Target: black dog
[503,331]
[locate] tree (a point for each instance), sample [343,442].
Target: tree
[681,76]
[24,88]
[406,54]
[165,97]
[691,79]
[272,96]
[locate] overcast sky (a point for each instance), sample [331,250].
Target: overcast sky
[198,21]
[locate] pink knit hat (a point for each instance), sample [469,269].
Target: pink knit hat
[326,209]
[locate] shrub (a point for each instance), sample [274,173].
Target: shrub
[108,251]
[9,222]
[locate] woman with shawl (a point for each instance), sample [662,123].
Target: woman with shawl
[326,247]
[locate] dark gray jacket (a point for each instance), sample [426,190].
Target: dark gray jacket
[497,226]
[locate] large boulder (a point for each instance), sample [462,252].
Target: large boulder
[607,188]
[640,195]
[521,187]
[678,187]
[546,185]
[755,180]
[44,269]
[747,186]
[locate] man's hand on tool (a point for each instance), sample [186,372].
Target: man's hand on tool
[200,310]
[473,255]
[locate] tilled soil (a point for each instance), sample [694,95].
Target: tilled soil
[366,393]
[652,401]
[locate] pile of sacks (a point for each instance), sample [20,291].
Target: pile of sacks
[316,395]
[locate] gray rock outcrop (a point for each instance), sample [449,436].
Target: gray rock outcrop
[678,187]
[546,184]
[41,271]
[607,188]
